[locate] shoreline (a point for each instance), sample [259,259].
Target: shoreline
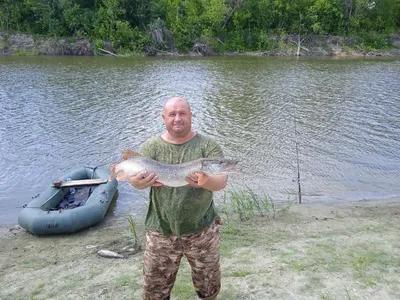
[340,202]
[21,44]
[307,251]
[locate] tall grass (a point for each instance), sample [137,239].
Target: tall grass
[246,204]
[132,228]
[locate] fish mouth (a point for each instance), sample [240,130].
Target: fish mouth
[230,170]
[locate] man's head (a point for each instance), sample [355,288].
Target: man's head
[177,117]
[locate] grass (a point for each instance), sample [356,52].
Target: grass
[124,280]
[23,52]
[132,228]
[241,273]
[365,261]
[345,253]
[246,204]
[38,289]
[324,251]
[183,288]
[297,266]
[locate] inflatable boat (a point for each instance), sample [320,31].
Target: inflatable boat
[79,200]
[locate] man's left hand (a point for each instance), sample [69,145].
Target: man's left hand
[197,179]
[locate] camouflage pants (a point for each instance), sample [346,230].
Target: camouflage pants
[163,255]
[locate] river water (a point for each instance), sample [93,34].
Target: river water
[60,113]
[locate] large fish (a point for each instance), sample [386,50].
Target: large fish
[170,174]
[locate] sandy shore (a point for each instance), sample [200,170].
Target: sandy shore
[309,251]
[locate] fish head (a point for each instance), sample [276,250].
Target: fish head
[219,166]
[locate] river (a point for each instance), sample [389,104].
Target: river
[59,113]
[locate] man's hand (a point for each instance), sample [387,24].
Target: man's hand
[144,180]
[197,179]
[212,183]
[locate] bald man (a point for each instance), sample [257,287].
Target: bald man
[180,221]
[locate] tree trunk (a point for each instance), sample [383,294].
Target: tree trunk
[299,37]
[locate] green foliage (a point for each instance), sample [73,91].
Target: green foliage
[137,12]
[78,21]
[22,52]
[98,43]
[12,15]
[380,16]
[372,40]
[132,228]
[234,41]
[246,204]
[224,25]
[240,273]
[123,33]
[109,26]
[44,16]
[214,15]
[106,18]
[326,16]
[264,42]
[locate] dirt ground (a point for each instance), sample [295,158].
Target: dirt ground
[308,251]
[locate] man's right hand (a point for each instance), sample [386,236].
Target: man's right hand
[144,180]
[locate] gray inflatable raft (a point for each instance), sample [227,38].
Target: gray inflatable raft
[43,216]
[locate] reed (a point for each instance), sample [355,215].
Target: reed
[132,229]
[246,204]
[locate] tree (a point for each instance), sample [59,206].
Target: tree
[44,16]
[12,14]
[78,21]
[327,16]
[106,18]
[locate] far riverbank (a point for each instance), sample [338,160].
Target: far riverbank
[26,44]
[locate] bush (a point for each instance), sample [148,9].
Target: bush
[373,40]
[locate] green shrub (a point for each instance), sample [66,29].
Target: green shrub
[373,40]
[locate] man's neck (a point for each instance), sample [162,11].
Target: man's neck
[178,140]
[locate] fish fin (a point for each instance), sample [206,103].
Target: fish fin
[121,176]
[128,154]
[202,179]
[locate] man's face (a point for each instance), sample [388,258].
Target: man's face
[177,118]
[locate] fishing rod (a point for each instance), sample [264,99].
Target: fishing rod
[297,155]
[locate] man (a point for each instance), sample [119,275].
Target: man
[180,220]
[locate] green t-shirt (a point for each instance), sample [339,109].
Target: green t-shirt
[180,210]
